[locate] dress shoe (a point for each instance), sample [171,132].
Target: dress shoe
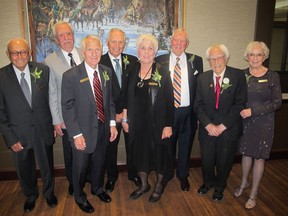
[184,183]
[155,196]
[104,197]
[137,181]
[29,206]
[139,191]
[71,190]
[52,201]
[251,203]
[203,189]
[217,196]
[109,187]
[86,206]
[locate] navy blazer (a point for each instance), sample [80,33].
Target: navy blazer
[18,121]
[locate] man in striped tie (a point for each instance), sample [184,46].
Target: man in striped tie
[89,114]
[184,68]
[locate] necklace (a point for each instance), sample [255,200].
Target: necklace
[140,84]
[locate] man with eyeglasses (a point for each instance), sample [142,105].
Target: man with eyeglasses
[66,57]
[26,121]
[221,95]
[184,68]
[120,64]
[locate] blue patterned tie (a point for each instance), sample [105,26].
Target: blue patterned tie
[118,71]
[177,84]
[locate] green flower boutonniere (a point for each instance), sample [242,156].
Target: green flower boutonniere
[125,61]
[192,59]
[106,77]
[157,77]
[225,84]
[247,77]
[36,74]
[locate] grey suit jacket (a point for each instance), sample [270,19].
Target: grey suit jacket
[79,106]
[58,65]
[18,121]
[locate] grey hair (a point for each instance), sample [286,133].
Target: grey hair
[147,37]
[179,30]
[221,47]
[83,41]
[113,30]
[58,24]
[17,39]
[252,44]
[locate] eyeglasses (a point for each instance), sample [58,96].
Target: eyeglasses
[219,58]
[16,53]
[256,55]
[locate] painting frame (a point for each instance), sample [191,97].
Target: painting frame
[31,31]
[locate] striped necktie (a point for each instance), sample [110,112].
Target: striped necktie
[72,62]
[177,84]
[98,97]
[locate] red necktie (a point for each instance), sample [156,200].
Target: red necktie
[98,97]
[217,91]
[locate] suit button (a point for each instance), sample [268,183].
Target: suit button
[32,125]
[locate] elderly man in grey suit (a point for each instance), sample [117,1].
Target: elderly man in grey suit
[89,114]
[60,61]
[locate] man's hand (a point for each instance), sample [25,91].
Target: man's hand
[80,143]
[17,147]
[166,133]
[58,129]
[114,133]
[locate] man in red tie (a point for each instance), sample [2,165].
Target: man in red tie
[89,114]
[221,95]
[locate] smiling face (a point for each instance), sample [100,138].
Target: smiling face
[92,51]
[146,52]
[256,57]
[19,53]
[179,42]
[116,43]
[65,37]
[217,60]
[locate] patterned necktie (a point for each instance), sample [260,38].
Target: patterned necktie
[98,97]
[177,84]
[25,88]
[118,71]
[72,62]
[217,91]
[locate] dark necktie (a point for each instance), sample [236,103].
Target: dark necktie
[25,88]
[177,84]
[118,71]
[98,97]
[217,91]
[72,62]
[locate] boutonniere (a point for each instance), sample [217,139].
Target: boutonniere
[247,77]
[192,58]
[125,61]
[157,77]
[36,74]
[106,77]
[225,84]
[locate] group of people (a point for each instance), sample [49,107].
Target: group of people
[158,103]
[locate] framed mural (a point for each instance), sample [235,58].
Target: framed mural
[134,17]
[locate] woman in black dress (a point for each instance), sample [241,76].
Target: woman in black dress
[264,98]
[148,116]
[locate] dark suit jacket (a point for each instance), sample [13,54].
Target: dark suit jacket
[162,98]
[18,121]
[117,92]
[79,106]
[195,68]
[232,101]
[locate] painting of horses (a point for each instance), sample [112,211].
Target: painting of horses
[97,17]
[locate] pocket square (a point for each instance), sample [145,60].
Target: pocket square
[196,72]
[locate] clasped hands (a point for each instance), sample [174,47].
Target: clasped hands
[215,130]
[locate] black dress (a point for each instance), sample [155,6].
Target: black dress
[149,109]
[264,98]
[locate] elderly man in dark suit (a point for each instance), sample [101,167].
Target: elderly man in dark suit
[60,61]
[221,95]
[120,63]
[185,121]
[89,114]
[26,121]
